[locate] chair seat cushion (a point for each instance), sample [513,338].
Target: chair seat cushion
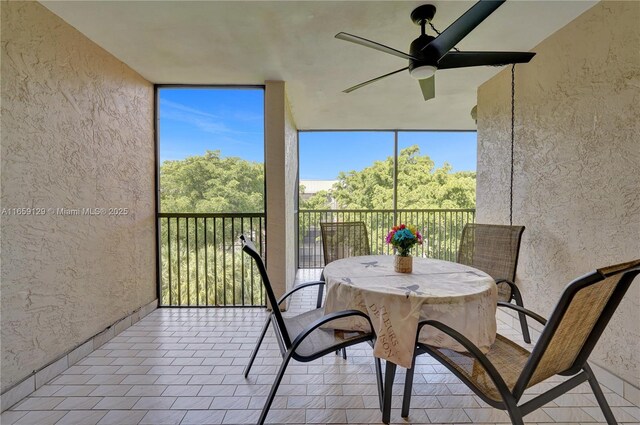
[506,356]
[320,340]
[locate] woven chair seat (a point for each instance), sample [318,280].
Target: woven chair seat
[494,249]
[507,357]
[344,239]
[320,339]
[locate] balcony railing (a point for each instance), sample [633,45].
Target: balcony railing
[442,229]
[201,261]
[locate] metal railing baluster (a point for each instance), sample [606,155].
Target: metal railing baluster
[206,265]
[215,264]
[169,256]
[178,256]
[441,229]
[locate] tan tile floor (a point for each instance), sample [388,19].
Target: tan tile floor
[184,366]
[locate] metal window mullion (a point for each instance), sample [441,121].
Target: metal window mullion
[395,177]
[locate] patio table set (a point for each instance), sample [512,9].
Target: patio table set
[448,311]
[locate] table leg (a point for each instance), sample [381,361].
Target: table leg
[389,375]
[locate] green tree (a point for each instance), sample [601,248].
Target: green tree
[420,185]
[320,200]
[211,183]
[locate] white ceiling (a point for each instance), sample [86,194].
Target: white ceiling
[240,42]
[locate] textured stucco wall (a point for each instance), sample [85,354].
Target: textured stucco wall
[77,132]
[291,190]
[280,176]
[577,165]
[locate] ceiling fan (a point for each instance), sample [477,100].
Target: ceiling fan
[428,54]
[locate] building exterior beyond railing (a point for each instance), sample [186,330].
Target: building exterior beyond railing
[441,229]
[201,259]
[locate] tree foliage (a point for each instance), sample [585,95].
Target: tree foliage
[320,200]
[211,183]
[420,186]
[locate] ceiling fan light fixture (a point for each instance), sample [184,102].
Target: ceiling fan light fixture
[423,71]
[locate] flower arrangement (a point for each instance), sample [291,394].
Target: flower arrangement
[403,238]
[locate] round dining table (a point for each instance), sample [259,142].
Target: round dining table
[459,296]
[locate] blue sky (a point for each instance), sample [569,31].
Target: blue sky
[193,120]
[324,154]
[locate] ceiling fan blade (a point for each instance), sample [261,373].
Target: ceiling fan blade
[350,89]
[372,44]
[466,59]
[461,27]
[428,87]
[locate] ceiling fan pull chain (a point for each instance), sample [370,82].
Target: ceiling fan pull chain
[513,112]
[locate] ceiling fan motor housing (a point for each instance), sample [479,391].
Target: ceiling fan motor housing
[416,51]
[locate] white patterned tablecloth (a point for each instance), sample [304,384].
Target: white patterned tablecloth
[459,296]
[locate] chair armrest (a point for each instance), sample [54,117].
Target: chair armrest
[471,348]
[326,319]
[508,282]
[299,287]
[523,310]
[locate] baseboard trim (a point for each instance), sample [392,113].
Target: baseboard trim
[41,376]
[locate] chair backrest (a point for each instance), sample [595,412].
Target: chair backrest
[576,323]
[344,239]
[492,248]
[250,248]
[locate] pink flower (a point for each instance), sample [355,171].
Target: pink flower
[390,236]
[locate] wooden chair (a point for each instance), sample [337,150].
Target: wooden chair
[344,239]
[501,376]
[303,337]
[494,249]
